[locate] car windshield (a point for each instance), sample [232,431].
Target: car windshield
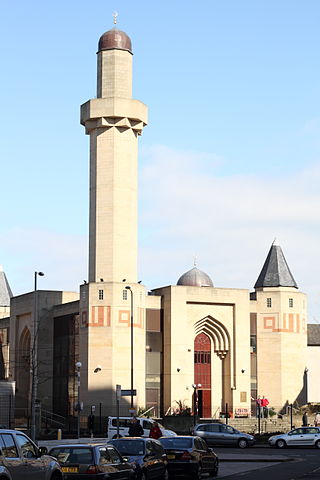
[68,455]
[129,447]
[178,443]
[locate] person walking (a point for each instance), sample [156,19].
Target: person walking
[155,431]
[259,410]
[264,405]
[305,419]
[135,429]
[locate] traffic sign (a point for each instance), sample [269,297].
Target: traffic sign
[128,393]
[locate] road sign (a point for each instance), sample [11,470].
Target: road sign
[128,393]
[118,392]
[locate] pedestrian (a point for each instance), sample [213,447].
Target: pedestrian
[317,419]
[305,419]
[264,405]
[135,429]
[259,411]
[155,431]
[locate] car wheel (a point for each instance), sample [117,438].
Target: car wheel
[242,443]
[317,444]
[143,475]
[165,476]
[198,473]
[281,444]
[215,471]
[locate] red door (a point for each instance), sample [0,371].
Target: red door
[202,373]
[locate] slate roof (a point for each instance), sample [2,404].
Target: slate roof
[275,271]
[313,334]
[5,290]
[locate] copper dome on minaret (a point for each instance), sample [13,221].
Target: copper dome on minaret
[115,39]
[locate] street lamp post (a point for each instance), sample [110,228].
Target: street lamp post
[195,401]
[34,357]
[131,345]
[78,366]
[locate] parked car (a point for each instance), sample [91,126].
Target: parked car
[21,458]
[146,453]
[302,436]
[221,434]
[93,460]
[189,456]
[124,424]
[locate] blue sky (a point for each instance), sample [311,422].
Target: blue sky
[230,158]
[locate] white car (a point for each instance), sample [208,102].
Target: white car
[124,424]
[302,436]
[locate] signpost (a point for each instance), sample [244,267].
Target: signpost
[118,396]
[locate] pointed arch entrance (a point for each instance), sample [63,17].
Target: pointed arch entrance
[212,337]
[202,373]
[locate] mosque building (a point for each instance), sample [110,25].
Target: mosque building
[222,346]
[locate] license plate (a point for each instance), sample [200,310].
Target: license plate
[171,457]
[70,469]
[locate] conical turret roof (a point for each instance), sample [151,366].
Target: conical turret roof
[5,290]
[275,271]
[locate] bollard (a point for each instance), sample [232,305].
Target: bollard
[59,434]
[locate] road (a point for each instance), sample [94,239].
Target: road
[265,463]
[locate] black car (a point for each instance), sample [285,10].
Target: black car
[95,461]
[189,456]
[21,458]
[146,453]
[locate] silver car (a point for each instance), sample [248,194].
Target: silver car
[221,434]
[21,458]
[302,436]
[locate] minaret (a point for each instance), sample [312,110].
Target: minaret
[114,121]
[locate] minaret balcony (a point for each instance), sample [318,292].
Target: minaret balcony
[114,112]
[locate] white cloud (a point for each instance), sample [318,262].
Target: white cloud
[188,208]
[61,257]
[228,221]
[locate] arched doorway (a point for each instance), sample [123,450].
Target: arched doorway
[202,373]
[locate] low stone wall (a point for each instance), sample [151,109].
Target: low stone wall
[184,424]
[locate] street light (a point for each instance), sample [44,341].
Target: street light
[195,401]
[78,366]
[131,345]
[34,357]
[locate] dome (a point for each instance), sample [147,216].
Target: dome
[195,278]
[115,39]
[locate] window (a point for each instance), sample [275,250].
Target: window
[115,457]
[202,357]
[291,302]
[253,343]
[269,303]
[100,294]
[125,295]
[197,444]
[8,446]
[104,456]
[27,448]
